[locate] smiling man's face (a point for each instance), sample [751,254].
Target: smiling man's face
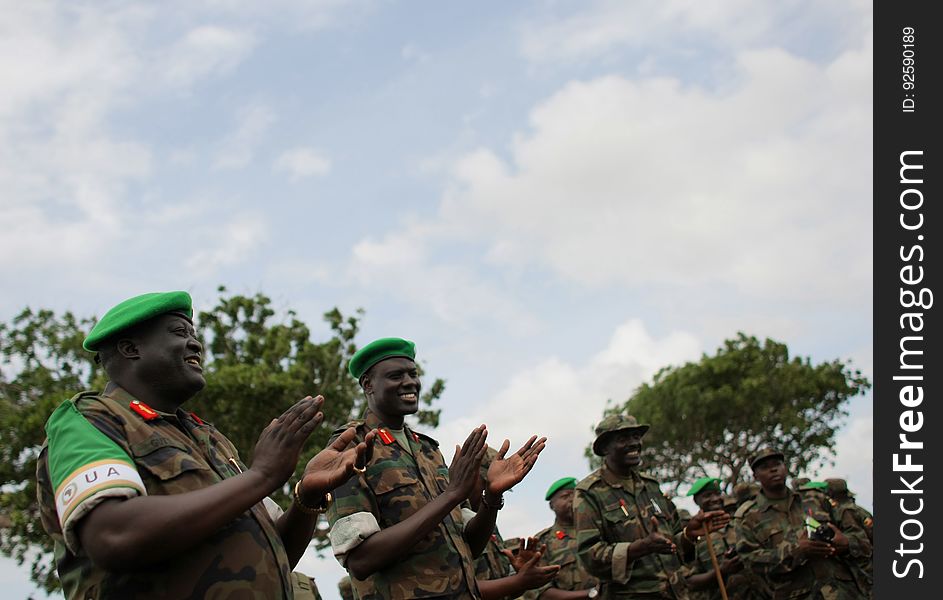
[393,388]
[623,450]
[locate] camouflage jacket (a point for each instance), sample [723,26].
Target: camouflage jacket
[742,585]
[610,513]
[395,486]
[561,550]
[492,563]
[768,534]
[173,453]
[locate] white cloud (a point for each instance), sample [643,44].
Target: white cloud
[226,244]
[203,52]
[237,150]
[653,182]
[303,162]
[659,26]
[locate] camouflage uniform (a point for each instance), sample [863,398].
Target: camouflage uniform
[740,586]
[767,535]
[492,563]
[173,453]
[345,588]
[562,550]
[395,486]
[604,532]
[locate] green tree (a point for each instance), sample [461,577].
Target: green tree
[257,364]
[708,417]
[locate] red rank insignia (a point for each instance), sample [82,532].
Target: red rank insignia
[385,436]
[148,413]
[560,535]
[197,419]
[415,437]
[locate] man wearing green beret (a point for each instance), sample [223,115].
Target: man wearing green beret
[398,528]
[703,579]
[146,500]
[794,541]
[628,533]
[572,582]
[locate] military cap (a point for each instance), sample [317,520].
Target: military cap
[815,485]
[566,483]
[798,482]
[837,487]
[763,454]
[612,424]
[704,484]
[379,350]
[137,310]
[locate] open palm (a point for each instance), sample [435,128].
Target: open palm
[505,473]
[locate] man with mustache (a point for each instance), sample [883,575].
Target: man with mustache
[144,499]
[628,534]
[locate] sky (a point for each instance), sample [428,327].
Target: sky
[553,199]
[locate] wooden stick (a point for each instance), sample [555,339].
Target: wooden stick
[710,550]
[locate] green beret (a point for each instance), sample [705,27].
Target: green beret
[378,350]
[612,424]
[704,484]
[815,485]
[567,483]
[137,310]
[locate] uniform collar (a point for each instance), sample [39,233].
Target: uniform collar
[764,503]
[127,399]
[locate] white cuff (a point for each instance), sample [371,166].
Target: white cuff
[349,532]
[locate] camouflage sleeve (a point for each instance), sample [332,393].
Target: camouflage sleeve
[859,546]
[602,559]
[776,560]
[352,516]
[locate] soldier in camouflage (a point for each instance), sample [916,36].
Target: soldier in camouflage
[398,528]
[773,539]
[703,579]
[628,533]
[345,588]
[146,500]
[501,573]
[572,582]
[844,506]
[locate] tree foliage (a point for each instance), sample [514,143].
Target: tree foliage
[256,363]
[708,417]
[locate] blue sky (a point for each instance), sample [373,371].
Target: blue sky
[553,199]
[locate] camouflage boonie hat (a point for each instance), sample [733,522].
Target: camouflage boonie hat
[763,454]
[612,424]
[837,487]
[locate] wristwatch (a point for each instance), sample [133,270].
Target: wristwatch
[592,592]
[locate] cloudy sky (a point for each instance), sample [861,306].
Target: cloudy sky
[553,199]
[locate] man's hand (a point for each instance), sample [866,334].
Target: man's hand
[505,473]
[813,548]
[334,465]
[840,541]
[524,553]
[463,470]
[731,565]
[276,452]
[532,576]
[656,542]
[715,520]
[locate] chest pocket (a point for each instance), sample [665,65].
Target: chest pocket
[167,461]
[620,526]
[399,494]
[771,537]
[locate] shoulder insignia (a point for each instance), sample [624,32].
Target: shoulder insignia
[385,436]
[559,534]
[197,419]
[146,412]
